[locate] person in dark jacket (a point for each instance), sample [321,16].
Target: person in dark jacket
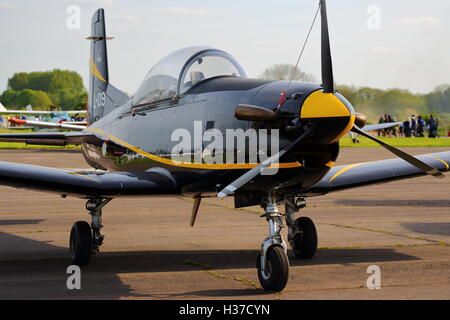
[381,120]
[420,127]
[413,125]
[407,128]
[433,127]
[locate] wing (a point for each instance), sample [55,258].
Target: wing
[49,139]
[361,174]
[380,126]
[87,184]
[50,125]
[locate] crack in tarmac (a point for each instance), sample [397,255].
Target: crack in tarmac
[209,268]
[439,242]
[250,283]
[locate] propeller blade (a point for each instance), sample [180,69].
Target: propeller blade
[407,157]
[249,175]
[327,65]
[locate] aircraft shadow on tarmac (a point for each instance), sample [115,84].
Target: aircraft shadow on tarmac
[31,269]
[435,228]
[394,203]
[19,222]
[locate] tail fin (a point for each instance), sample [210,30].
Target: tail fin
[103,97]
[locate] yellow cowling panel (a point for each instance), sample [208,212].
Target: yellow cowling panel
[323,105]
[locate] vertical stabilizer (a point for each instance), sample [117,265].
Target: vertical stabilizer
[103,97]
[98,65]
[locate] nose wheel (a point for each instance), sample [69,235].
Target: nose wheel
[273,262]
[85,240]
[275,274]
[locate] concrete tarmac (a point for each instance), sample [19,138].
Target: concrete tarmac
[150,252]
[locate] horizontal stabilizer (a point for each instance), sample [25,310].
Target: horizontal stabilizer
[48,139]
[97,38]
[49,125]
[39,112]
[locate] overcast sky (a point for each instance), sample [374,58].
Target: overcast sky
[410,50]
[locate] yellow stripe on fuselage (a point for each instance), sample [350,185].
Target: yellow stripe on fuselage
[225,166]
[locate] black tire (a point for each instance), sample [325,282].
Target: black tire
[81,246]
[277,270]
[305,243]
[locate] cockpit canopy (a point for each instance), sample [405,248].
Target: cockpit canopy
[183,69]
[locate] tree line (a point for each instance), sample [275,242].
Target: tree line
[61,88]
[397,102]
[65,89]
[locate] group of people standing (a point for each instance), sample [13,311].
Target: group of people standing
[412,127]
[416,127]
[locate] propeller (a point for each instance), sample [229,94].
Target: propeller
[407,157]
[255,113]
[249,175]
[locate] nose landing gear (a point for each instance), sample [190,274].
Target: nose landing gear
[273,262]
[85,239]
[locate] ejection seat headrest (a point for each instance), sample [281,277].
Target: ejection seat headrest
[196,77]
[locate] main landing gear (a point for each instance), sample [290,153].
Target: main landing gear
[302,232]
[85,239]
[273,262]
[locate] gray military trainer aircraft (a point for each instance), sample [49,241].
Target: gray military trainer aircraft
[130,139]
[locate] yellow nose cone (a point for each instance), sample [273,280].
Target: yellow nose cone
[323,105]
[329,108]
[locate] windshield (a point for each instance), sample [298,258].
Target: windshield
[179,71]
[208,65]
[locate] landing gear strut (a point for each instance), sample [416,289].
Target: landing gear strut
[273,262]
[302,232]
[85,239]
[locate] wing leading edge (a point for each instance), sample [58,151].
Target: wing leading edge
[361,174]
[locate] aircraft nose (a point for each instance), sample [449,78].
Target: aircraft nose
[332,114]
